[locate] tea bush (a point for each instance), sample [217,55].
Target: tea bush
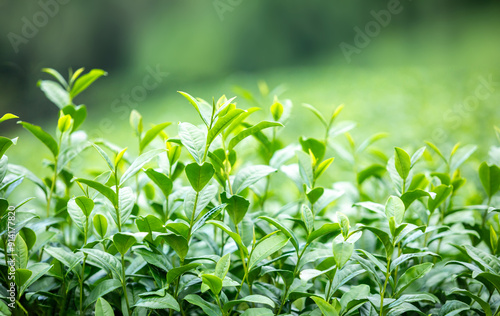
[226,219]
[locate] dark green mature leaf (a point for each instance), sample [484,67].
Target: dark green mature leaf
[199,176]
[174,273]
[442,192]
[101,188]
[178,243]
[410,196]
[266,247]
[165,301]
[85,81]
[207,216]
[251,131]
[161,180]
[213,282]
[236,208]
[383,237]
[484,305]
[43,136]
[411,275]
[151,134]
[123,242]
[69,259]
[104,261]
[490,178]
[38,270]
[208,308]
[233,235]
[103,288]
[405,257]
[453,307]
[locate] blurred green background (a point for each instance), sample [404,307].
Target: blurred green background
[422,70]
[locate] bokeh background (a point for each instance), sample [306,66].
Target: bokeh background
[432,72]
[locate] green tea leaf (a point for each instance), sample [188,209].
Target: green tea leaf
[308,218]
[55,93]
[199,176]
[255,298]
[139,163]
[327,229]
[123,242]
[403,162]
[85,81]
[288,232]
[412,274]
[100,225]
[250,175]
[221,124]
[166,301]
[490,178]
[195,104]
[326,308]
[395,207]
[208,308]
[161,180]
[342,252]
[151,134]
[195,141]
[213,282]
[236,208]
[43,136]
[102,308]
[251,131]
[266,247]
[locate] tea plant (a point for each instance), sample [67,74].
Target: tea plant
[224,218]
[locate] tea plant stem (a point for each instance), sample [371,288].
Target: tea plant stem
[21,307]
[81,283]
[54,178]
[396,270]
[124,285]
[287,288]
[191,223]
[486,213]
[117,206]
[382,294]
